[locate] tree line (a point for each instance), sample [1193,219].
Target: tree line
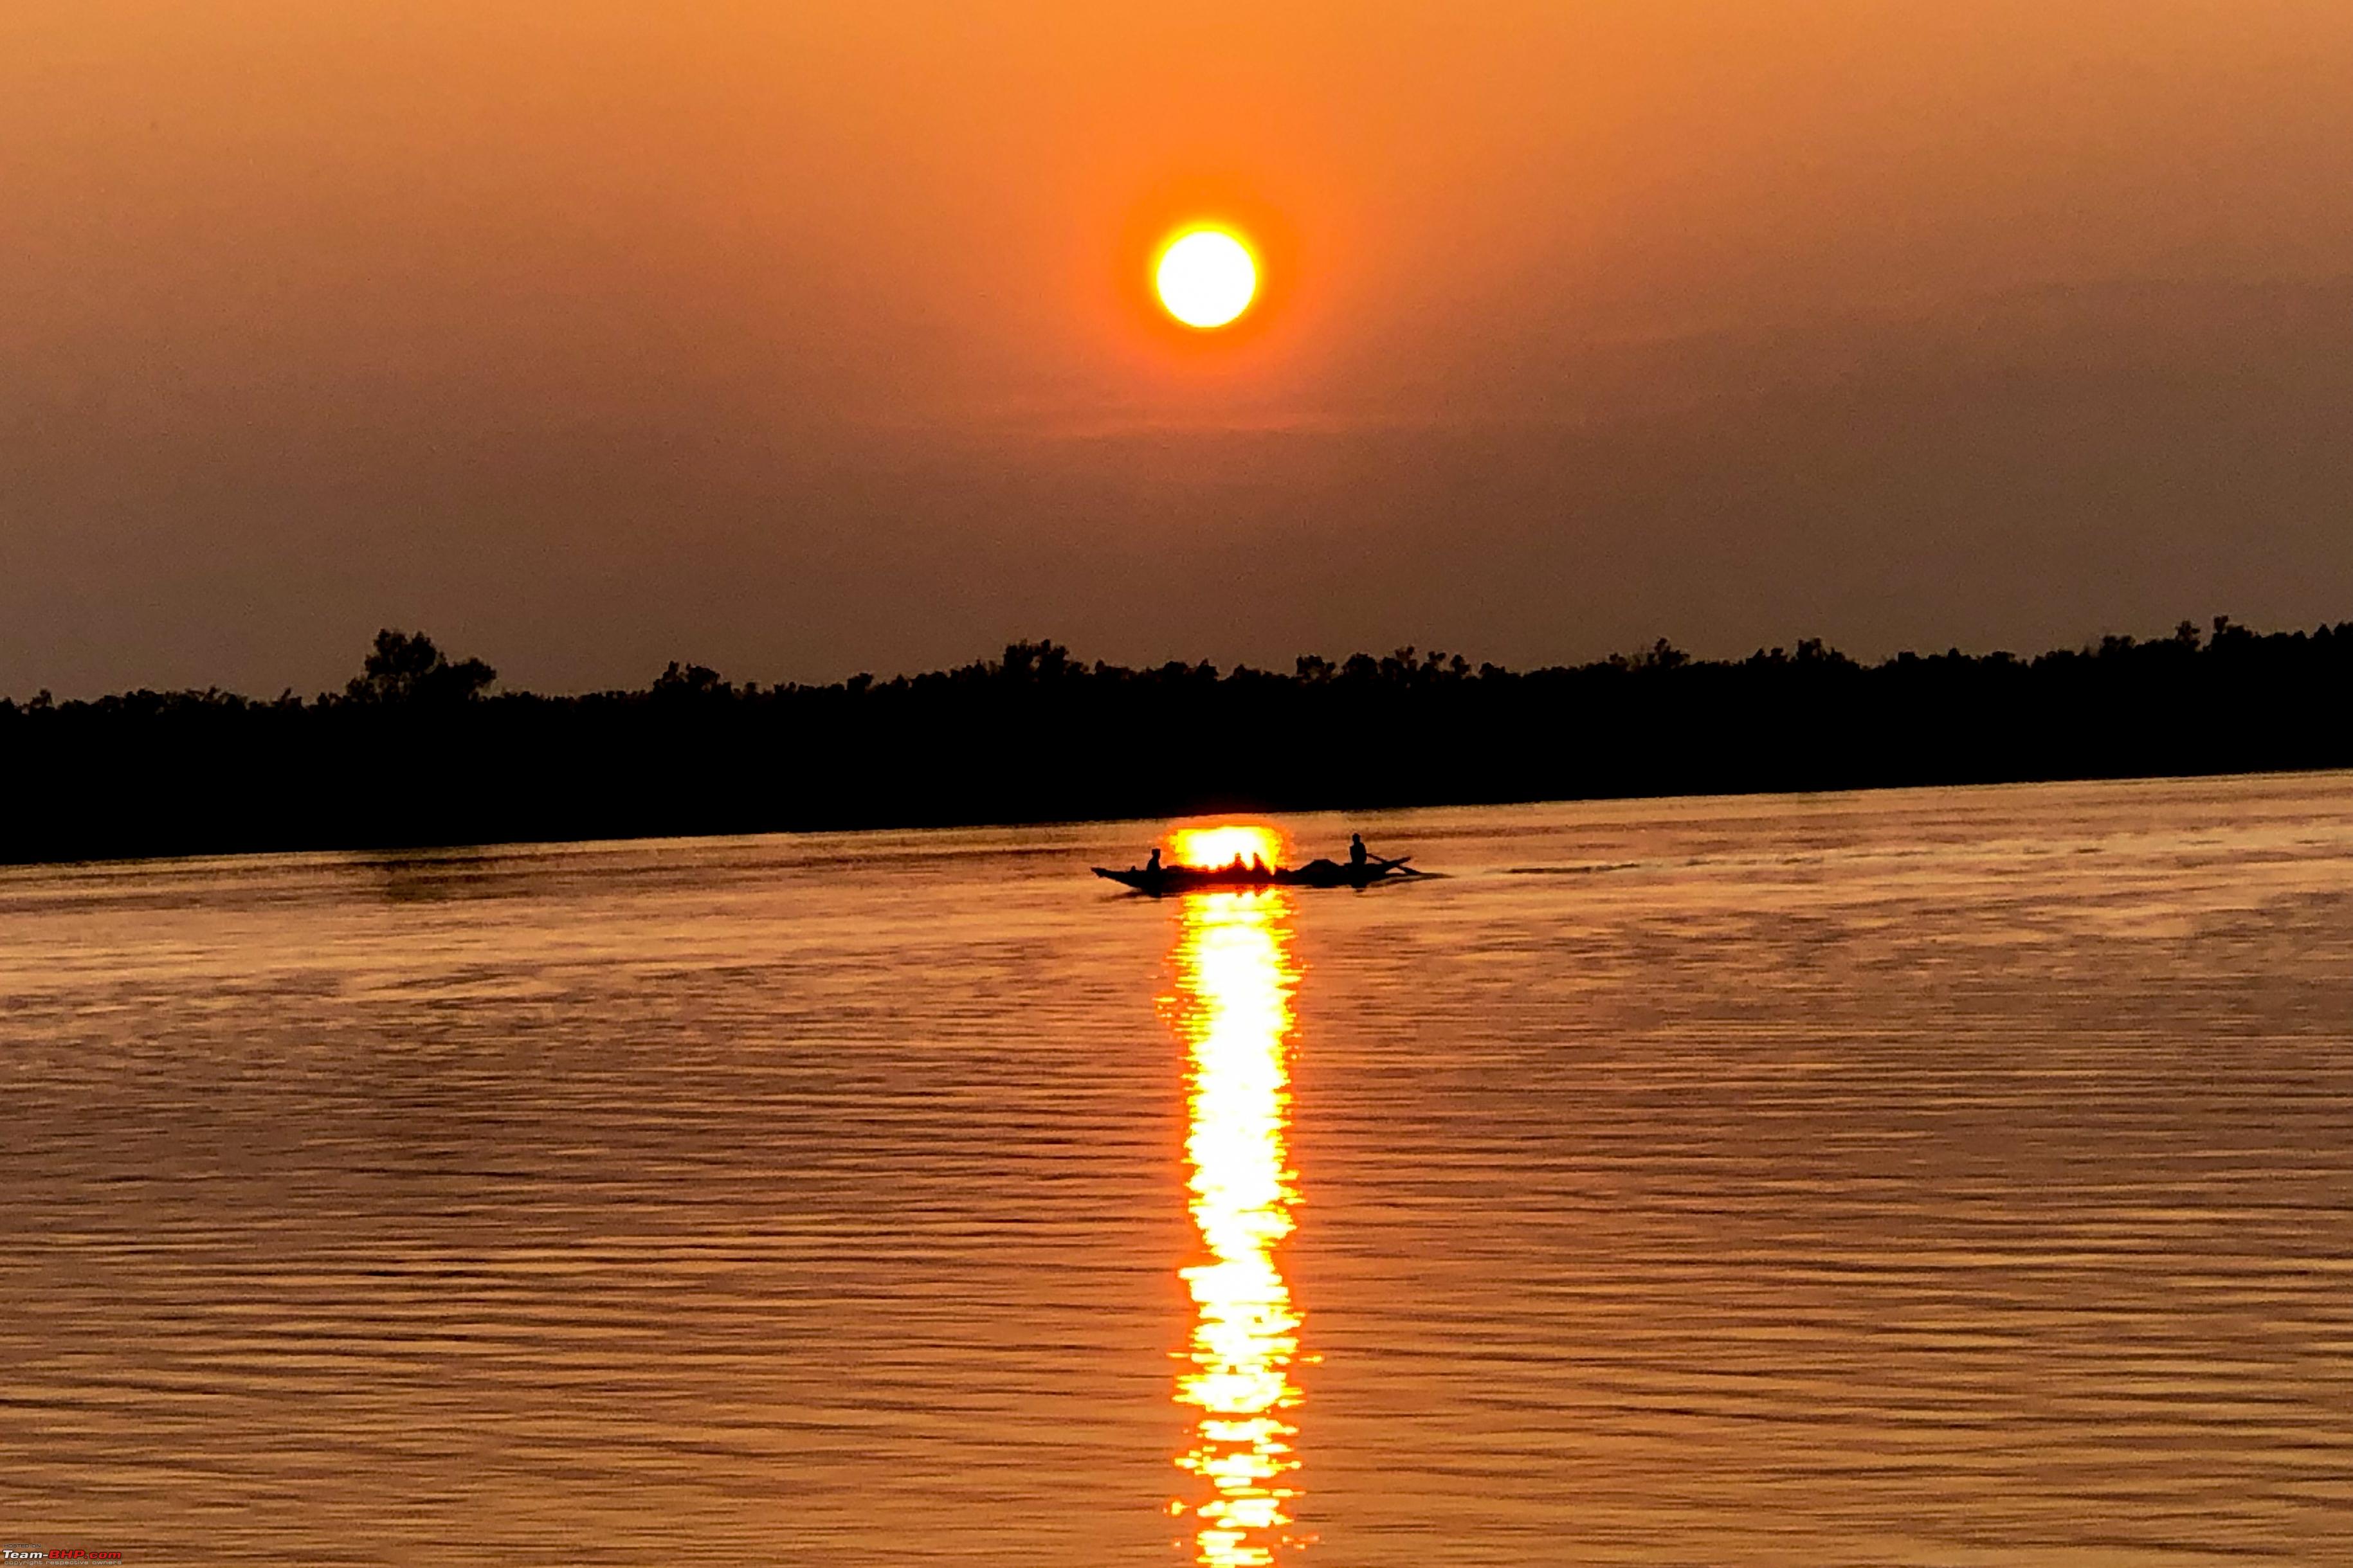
[419,749]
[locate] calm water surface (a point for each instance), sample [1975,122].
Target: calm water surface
[1953,1177]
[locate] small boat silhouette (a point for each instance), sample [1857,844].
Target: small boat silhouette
[1159,880]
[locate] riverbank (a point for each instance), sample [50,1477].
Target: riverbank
[413,752]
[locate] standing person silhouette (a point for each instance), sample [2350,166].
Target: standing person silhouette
[1357,850]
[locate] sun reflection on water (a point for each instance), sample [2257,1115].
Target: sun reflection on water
[1232,1009]
[1219,846]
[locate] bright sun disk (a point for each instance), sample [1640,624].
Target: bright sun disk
[1205,277]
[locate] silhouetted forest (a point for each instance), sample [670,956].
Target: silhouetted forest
[416,750]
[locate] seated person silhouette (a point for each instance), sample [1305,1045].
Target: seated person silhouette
[1357,850]
[1153,864]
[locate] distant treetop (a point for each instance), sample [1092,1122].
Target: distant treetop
[406,669]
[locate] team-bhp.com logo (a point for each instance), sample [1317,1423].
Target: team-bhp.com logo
[57,1554]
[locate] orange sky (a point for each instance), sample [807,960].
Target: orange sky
[806,338]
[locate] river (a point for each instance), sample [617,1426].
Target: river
[1944,1176]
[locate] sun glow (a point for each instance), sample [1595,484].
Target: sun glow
[1232,1008]
[1205,277]
[1212,846]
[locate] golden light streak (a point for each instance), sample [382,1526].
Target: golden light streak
[1232,1009]
[1208,846]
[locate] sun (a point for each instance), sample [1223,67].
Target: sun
[1207,278]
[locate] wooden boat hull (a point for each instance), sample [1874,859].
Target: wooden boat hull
[1226,878]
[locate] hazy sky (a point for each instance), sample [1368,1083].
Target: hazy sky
[809,336]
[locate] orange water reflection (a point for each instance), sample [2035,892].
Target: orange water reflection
[1217,846]
[1231,1007]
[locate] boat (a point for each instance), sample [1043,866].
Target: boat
[1157,881]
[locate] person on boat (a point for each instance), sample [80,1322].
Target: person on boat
[1153,865]
[1258,867]
[1357,850]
